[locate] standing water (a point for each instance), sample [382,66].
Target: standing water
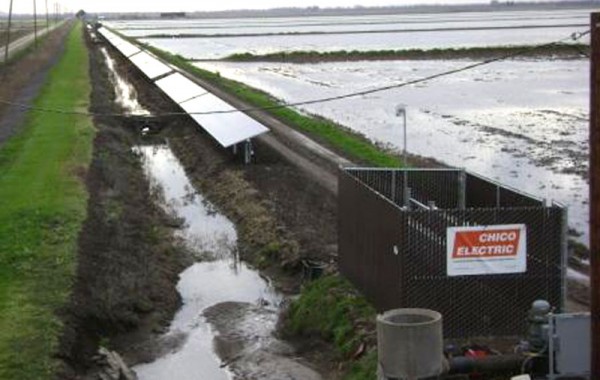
[226,305]
[125,94]
[220,278]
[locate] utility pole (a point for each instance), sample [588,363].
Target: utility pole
[35,23]
[8,32]
[47,18]
[595,192]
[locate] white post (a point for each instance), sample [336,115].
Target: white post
[401,111]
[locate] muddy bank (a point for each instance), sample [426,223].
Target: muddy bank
[245,343]
[128,260]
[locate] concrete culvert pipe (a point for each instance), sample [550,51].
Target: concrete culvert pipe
[409,344]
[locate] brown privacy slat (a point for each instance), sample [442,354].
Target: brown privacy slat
[371,224]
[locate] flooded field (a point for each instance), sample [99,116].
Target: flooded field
[523,123]
[220,38]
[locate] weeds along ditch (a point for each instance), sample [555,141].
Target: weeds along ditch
[42,206]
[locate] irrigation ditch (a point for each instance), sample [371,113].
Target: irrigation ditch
[134,251]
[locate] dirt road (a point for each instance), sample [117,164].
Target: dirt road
[25,41]
[22,80]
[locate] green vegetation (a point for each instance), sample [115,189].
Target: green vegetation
[365,368]
[332,309]
[562,50]
[42,205]
[355,146]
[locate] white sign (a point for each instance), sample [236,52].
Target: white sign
[486,250]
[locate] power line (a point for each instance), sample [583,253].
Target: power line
[572,37]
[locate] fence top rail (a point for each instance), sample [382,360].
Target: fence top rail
[350,171]
[379,169]
[507,187]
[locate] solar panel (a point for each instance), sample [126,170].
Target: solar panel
[149,65]
[126,48]
[106,33]
[228,128]
[179,88]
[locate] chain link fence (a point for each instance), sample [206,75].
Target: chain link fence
[392,244]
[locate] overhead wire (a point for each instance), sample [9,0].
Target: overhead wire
[572,37]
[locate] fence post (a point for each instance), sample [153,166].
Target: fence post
[462,191]
[564,245]
[393,190]
[595,192]
[497,195]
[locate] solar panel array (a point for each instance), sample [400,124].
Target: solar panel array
[150,66]
[179,88]
[227,128]
[223,122]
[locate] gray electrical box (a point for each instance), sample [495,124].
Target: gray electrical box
[572,344]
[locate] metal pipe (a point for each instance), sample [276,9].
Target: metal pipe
[487,365]
[595,193]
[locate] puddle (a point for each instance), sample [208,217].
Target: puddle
[220,278]
[125,94]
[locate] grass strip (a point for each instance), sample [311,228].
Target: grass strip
[357,147]
[332,309]
[42,206]
[524,51]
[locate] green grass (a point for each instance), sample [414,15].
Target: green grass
[365,368]
[42,206]
[355,146]
[330,307]
[437,53]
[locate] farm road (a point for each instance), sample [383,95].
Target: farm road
[22,80]
[23,42]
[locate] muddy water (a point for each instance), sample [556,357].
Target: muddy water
[125,94]
[219,278]
[224,330]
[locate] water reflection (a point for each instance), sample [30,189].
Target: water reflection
[220,277]
[125,94]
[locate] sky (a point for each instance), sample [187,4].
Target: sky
[24,6]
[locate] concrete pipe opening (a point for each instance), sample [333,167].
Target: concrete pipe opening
[409,344]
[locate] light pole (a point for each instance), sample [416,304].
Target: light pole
[401,111]
[8,32]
